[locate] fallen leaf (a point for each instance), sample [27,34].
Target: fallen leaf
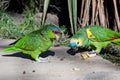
[75,69]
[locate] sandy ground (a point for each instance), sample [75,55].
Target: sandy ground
[61,66]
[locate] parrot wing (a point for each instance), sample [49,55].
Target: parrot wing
[101,34]
[31,42]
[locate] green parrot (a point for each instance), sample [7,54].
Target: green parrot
[37,41]
[95,36]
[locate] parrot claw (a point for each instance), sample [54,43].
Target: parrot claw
[42,60]
[93,52]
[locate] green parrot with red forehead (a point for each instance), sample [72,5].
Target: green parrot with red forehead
[95,36]
[36,42]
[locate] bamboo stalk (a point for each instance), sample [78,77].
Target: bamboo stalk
[93,11]
[46,3]
[101,13]
[74,14]
[106,19]
[86,13]
[70,15]
[82,9]
[72,6]
[96,12]
[116,15]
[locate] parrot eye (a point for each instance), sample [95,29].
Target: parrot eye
[56,32]
[77,42]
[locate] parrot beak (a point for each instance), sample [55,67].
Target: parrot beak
[56,37]
[73,44]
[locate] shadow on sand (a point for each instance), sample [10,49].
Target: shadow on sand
[21,55]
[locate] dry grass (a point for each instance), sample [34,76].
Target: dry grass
[4,3]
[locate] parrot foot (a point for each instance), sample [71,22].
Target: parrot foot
[92,53]
[42,60]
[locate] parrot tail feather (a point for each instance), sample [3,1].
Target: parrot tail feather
[10,49]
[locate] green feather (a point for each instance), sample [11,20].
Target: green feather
[10,49]
[101,33]
[97,36]
[34,43]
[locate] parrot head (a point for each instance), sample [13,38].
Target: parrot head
[76,43]
[78,39]
[54,32]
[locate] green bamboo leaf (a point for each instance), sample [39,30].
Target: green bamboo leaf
[72,7]
[46,4]
[70,15]
[75,14]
